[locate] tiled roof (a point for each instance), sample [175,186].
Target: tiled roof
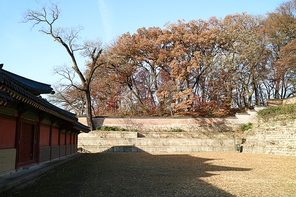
[40,101]
[5,95]
[82,127]
[33,100]
[32,86]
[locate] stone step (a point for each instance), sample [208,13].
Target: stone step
[182,135]
[276,124]
[274,129]
[272,139]
[154,142]
[127,134]
[158,149]
[271,143]
[270,149]
[157,142]
[274,135]
[108,134]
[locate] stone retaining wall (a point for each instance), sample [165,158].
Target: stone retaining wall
[271,138]
[277,102]
[152,142]
[188,124]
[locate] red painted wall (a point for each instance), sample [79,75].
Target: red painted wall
[68,136]
[7,133]
[55,136]
[44,135]
[73,138]
[62,138]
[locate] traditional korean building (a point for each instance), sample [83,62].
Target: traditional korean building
[32,130]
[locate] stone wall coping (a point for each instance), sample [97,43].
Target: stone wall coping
[260,107]
[247,114]
[281,99]
[140,117]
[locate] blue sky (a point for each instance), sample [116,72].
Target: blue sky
[30,53]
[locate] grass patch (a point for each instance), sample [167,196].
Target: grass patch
[247,126]
[175,130]
[281,112]
[110,128]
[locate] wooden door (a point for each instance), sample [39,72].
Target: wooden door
[26,153]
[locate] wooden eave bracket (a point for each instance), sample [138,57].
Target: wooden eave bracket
[23,99]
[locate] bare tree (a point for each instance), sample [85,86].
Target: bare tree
[66,94]
[68,39]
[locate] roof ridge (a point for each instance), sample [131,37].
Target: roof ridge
[25,77]
[35,86]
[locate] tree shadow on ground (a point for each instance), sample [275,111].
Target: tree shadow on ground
[144,174]
[130,174]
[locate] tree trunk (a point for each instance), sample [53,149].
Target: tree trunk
[88,110]
[253,89]
[277,90]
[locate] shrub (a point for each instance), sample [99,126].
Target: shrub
[245,127]
[278,112]
[176,130]
[110,128]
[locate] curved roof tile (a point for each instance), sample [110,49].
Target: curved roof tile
[33,86]
[21,85]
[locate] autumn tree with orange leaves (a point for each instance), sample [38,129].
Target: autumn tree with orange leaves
[200,67]
[281,28]
[203,65]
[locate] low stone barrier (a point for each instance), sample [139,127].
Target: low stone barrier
[153,142]
[188,124]
[278,137]
[269,138]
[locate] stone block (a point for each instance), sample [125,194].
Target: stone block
[68,149]
[156,142]
[55,152]
[62,150]
[274,103]
[290,100]
[7,160]
[44,154]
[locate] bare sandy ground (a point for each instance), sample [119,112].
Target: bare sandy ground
[192,174]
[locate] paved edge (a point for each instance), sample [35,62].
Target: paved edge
[17,179]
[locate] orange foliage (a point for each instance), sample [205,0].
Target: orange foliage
[200,67]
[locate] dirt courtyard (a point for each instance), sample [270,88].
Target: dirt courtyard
[191,174]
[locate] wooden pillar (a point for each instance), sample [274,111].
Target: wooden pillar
[65,143]
[59,143]
[75,141]
[50,140]
[17,140]
[71,151]
[37,141]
